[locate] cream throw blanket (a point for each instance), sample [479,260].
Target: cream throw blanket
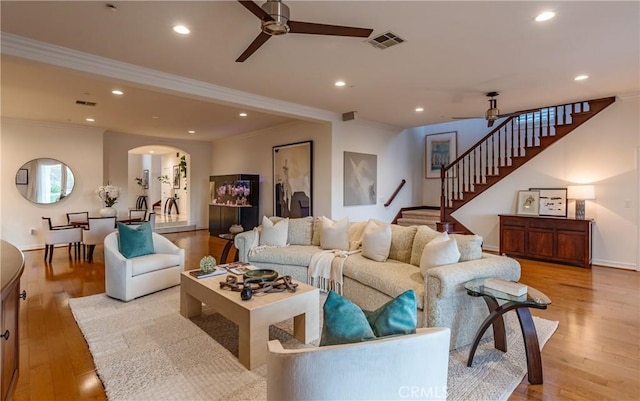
[325,269]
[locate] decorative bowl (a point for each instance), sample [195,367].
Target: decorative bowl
[261,274]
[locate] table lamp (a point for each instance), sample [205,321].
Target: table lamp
[580,193]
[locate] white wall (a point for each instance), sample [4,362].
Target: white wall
[252,154]
[601,152]
[77,146]
[116,147]
[395,150]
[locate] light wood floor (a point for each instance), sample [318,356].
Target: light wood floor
[594,354]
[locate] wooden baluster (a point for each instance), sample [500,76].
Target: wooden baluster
[486,156]
[500,154]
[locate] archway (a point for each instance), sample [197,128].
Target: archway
[158,174]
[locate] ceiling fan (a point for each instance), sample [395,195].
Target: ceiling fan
[274,15]
[492,113]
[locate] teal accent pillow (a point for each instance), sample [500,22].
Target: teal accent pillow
[398,316]
[135,240]
[345,322]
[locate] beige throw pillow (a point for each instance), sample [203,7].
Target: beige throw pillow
[356,231]
[274,234]
[441,250]
[334,234]
[424,235]
[470,246]
[376,241]
[300,230]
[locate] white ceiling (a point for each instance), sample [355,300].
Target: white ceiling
[454,53]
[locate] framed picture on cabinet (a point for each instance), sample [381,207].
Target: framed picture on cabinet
[528,202]
[293,180]
[553,201]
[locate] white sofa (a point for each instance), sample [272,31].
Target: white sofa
[126,279]
[441,298]
[412,366]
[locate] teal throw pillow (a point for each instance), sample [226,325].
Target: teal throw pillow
[135,240]
[345,322]
[398,316]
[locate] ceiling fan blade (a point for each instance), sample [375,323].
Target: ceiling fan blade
[255,10]
[490,123]
[465,118]
[255,45]
[322,29]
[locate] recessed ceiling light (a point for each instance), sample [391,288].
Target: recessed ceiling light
[419,109]
[242,114]
[152,151]
[340,83]
[181,29]
[191,131]
[155,117]
[89,119]
[581,77]
[545,16]
[117,92]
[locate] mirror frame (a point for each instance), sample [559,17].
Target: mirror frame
[27,181]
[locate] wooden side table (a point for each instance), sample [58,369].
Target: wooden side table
[533,299]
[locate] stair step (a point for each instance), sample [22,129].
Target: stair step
[416,222]
[176,228]
[421,213]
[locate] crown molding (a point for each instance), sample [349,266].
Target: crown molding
[30,49]
[51,124]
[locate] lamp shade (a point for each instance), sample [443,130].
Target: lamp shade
[581,192]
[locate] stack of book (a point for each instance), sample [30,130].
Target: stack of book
[202,274]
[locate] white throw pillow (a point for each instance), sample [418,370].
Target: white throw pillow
[334,234]
[441,250]
[274,234]
[376,241]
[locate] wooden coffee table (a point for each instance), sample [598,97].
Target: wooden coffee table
[254,316]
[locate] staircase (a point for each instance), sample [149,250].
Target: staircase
[509,146]
[411,217]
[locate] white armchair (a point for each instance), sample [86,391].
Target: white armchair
[126,279]
[405,367]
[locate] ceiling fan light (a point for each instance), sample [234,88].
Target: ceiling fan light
[280,14]
[492,114]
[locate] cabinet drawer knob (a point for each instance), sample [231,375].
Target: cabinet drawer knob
[5,335]
[23,294]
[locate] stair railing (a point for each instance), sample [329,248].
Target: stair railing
[499,148]
[395,193]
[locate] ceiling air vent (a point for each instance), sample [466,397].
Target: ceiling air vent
[385,40]
[85,103]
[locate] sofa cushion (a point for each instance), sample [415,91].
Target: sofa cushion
[300,230]
[376,241]
[343,322]
[470,246]
[424,235]
[274,234]
[157,261]
[335,234]
[135,240]
[391,277]
[441,250]
[295,255]
[401,242]
[317,228]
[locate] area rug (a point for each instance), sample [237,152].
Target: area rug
[145,350]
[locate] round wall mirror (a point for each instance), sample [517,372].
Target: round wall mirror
[45,181]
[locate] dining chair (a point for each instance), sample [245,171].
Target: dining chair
[98,229]
[137,214]
[151,219]
[78,218]
[54,235]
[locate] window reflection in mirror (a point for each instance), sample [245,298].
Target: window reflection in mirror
[44,181]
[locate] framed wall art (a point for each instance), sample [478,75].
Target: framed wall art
[176,177]
[145,179]
[293,180]
[360,179]
[22,177]
[440,149]
[553,201]
[528,203]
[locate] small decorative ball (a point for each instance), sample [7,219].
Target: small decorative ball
[208,264]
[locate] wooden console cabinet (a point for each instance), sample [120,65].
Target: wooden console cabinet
[549,239]
[11,268]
